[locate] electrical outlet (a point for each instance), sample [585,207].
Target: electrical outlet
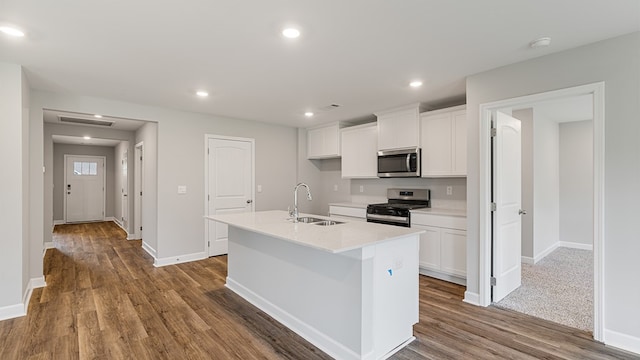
[361,188]
[259,188]
[449,190]
[335,187]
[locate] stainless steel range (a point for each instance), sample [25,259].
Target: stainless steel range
[397,210]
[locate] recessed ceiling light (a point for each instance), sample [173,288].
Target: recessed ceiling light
[87,137]
[97,116]
[12,31]
[415,84]
[202,93]
[541,42]
[308,114]
[291,33]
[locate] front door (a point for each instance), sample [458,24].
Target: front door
[84,188]
[507,222]
[229,185]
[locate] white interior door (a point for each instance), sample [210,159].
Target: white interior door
[138,185]
[125,192]
[84,188]
[229,185]
[507,221]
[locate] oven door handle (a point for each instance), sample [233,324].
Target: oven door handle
[398,219]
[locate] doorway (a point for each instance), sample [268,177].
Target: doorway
[486,228]
[229,184]
[84,179]
[138,184]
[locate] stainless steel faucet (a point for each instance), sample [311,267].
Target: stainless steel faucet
[294,214]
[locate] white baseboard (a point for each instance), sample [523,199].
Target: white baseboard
[49,245]
[622,341]
[180,259]
[471,298]
[309,333]
[151,251]
[527,260]
[58,222]
[546,252]
[17,310]
[573,245]
[132,237]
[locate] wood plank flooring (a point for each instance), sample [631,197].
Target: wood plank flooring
[105,300]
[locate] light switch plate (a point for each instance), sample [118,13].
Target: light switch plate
[182,189]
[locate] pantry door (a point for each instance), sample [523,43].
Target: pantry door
[84,188]
[230,179]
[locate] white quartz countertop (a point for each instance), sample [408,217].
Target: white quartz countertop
[437,211]
[339,238]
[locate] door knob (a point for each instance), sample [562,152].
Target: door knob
[522,212]
[249,201]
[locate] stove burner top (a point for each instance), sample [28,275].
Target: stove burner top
[397,210]
[392,206]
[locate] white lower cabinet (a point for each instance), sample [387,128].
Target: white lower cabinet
[443,246]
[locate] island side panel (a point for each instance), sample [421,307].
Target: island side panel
[396,293]
[317,294]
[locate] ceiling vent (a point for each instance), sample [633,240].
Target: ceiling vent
[71,120]
[329,107]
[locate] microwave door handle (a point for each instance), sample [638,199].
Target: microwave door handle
[408,162]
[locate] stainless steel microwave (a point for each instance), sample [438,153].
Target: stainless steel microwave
[399,163]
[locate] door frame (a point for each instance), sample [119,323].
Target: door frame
[104,183]
[208,137]
[138,188]
[485,229]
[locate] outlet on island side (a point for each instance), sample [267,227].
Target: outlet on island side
[361,188]
[449,190]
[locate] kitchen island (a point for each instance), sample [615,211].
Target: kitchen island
[351,289]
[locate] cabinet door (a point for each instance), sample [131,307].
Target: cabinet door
[459,119]
[315,141]
[398,129]
[359,147]
[429,247]
[436,134]
[453,250]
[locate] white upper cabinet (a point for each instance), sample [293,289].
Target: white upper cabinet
[323,142]
[443,139]
[359,151]
[399,128]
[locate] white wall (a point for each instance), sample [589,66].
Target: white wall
[59,151]
[15,255]
[546,185]
[526,118]
[576,182]
[615,62]
[180,161]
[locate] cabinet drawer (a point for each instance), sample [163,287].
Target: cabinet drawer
[443,221]
[347,211]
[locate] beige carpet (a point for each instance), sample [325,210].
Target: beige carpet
[558,288]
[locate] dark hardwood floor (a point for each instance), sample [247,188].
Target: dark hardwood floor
[105,300]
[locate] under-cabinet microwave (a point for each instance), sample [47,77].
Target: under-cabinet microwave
[399,163]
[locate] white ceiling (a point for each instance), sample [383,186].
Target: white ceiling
[359,54]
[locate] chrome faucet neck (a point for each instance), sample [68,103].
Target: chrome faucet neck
[295,213]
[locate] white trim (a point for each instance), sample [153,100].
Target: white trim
[208,137]
[58,222]
[527,260]
[132,237]
[545,252]
[151,251]
[138,186]
[179,259]
[471,298]
[309,333]
[104,184]
[49,245]
[485,110]
[18,310]
[442,276]
[622,341]
[573,245]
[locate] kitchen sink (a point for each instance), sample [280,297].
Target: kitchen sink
[327,223]
[308,220]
